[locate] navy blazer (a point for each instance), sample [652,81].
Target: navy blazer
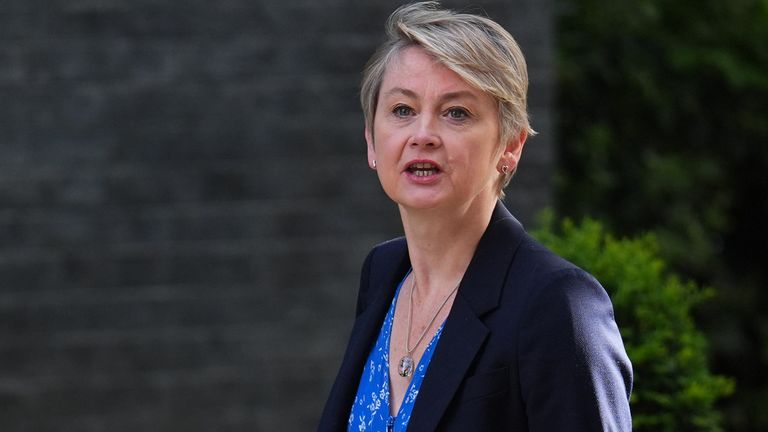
[530,343]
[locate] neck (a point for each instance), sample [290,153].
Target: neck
[441,243]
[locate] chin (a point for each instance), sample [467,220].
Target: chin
[430,201]
[422,202]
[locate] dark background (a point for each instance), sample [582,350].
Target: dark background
[185,204]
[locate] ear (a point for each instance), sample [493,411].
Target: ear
[513,151]
[371,148]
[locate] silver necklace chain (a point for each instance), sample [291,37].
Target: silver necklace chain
[408,348]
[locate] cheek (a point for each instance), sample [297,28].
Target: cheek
[479,151]
[477,164]
[388,145]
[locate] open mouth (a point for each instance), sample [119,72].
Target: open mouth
[423,169]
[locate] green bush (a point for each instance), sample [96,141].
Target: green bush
[674,389]
[661,126]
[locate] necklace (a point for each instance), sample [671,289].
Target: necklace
[406,365]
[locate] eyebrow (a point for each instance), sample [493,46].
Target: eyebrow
[400,91]
[447,96]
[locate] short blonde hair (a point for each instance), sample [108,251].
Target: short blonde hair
[474,47]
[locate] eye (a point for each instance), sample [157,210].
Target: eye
[457,113]
[402,111]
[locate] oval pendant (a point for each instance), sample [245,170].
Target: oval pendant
[405,368]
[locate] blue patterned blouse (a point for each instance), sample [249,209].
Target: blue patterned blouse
[371,411]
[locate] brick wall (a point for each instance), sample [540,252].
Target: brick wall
[185,204]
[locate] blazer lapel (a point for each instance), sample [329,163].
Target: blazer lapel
[464,331]
[462,337]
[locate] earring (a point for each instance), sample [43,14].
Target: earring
[374,164]
[505,169]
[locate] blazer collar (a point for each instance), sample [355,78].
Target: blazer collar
[484,279]
[464,332]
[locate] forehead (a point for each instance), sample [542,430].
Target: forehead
[416,70]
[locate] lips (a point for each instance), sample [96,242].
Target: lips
[423,169]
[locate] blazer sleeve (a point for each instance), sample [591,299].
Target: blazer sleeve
[339,402]
[574,372]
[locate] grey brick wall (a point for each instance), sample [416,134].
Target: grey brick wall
[185,204]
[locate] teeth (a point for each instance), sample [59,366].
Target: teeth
[423,169]
[423,173]
[423,165]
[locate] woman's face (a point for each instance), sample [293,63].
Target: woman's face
[435,138]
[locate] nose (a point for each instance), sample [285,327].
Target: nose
[425,133]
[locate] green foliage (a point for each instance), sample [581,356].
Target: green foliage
[663,106]
[662,127]
[674,390]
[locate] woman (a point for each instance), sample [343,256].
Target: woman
[467,323]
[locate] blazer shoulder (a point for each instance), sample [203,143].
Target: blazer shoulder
[391,248]
[568,325]
[386,256]
[536,247]
[385,260]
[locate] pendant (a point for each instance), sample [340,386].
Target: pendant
[405,368]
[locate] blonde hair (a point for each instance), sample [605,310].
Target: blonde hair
[476,48]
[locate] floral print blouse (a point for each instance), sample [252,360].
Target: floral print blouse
[371,409]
